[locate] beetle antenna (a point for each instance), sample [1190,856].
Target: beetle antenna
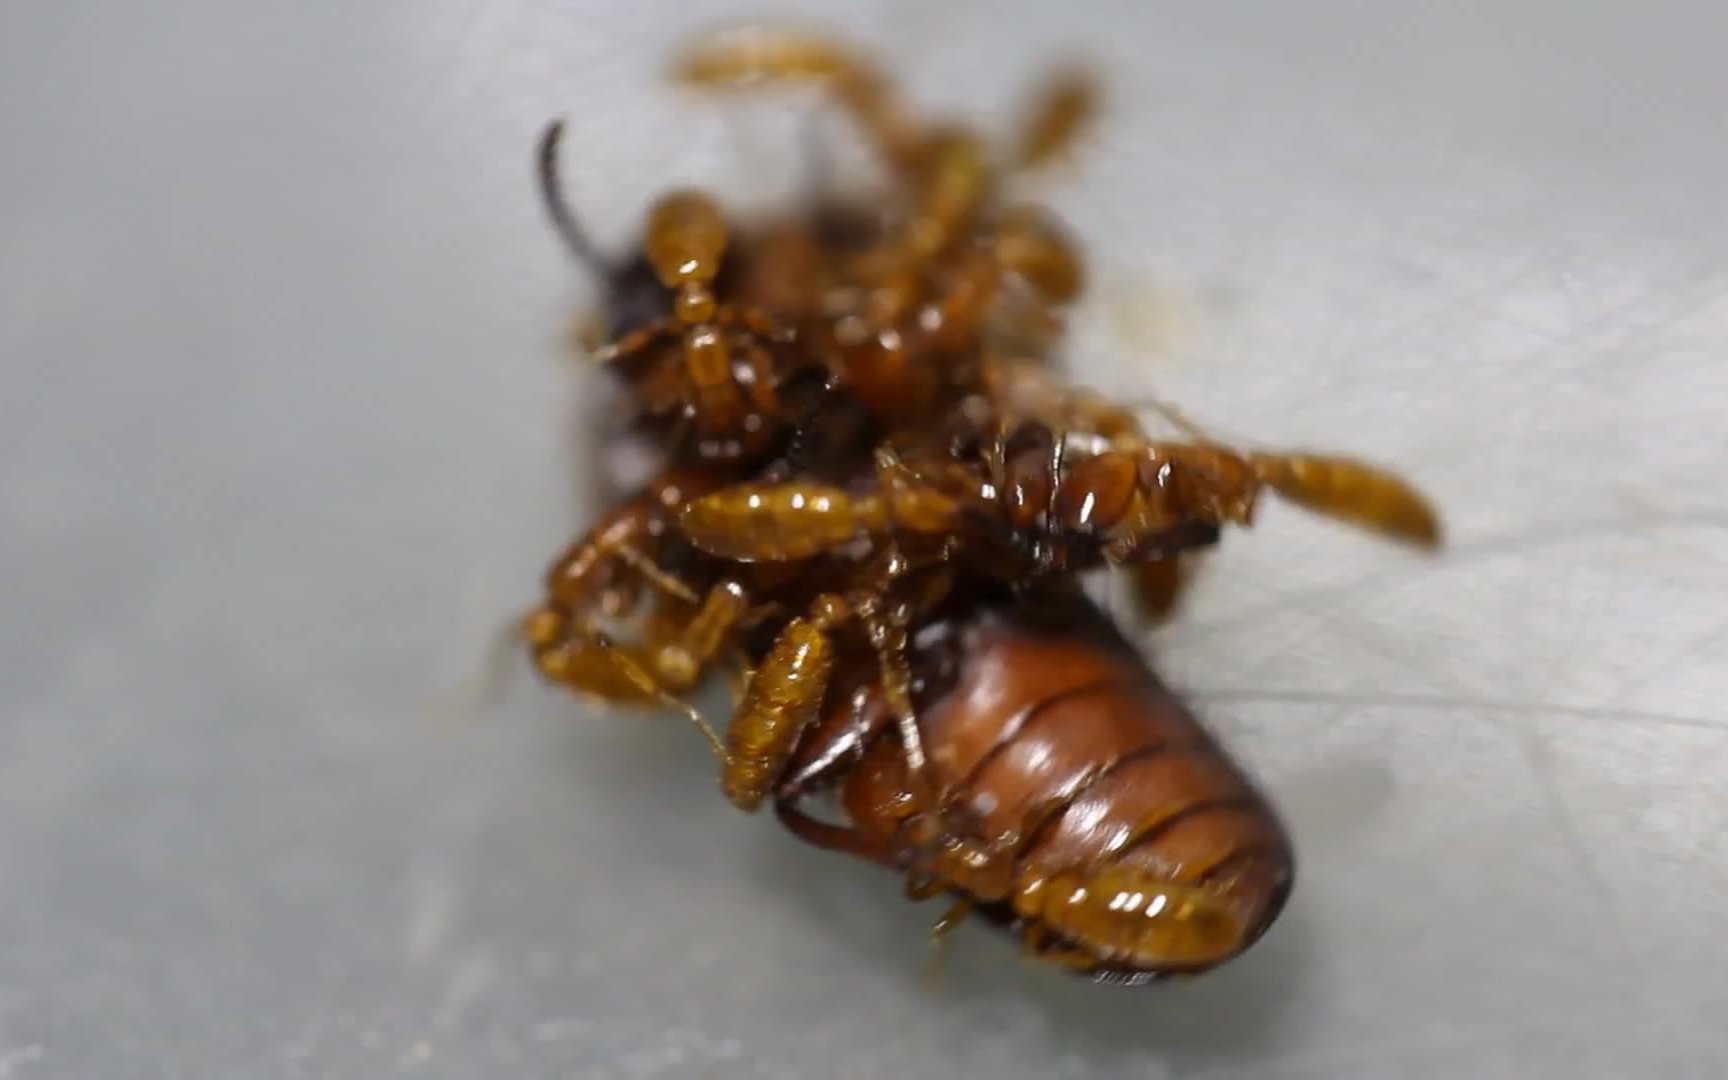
[558,207]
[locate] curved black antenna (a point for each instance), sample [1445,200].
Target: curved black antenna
[798,451]
[558,208]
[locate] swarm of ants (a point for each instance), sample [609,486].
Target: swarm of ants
[876,496]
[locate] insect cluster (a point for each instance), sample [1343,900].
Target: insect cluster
[875,499]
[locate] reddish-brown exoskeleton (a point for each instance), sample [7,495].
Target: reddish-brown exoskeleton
[891,561]
[907,308]
[715,364]
[1014,502]
[1029,502]
[737,376]
[802,622]
[1077,799]
[713,392]
[634,553]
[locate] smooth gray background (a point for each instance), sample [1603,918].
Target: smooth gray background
[283,440]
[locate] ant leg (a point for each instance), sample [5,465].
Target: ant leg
[785,693]
[890,642]
[1030,244]
[763,370]
[759,54]
[483,689]
[565,653]
[1034,939]
[945,924]
[650,570]
[1058,451]
[1062,111]
[584,573]
[587,660]
[921,886]
[1157,586]
[969,295]
[650,686]
[1089,412]
[680,657]
[993,449]
[888,628]
[588,334]
[644,337]
[569,650]
[956,183]
[952,918]
[585,577]
[909,501]
[1150,544]
[951,184]
[601,576]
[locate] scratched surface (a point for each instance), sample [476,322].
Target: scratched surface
[282,442]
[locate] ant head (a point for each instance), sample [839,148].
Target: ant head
[685,240]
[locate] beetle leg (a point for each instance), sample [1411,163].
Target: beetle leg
[953,917]
[1157,586]
[832,837]
[921,886]
[939,931]
[1035,939]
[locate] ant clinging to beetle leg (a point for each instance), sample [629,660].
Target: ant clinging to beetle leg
[872,504]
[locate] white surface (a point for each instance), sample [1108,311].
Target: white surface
[282,444]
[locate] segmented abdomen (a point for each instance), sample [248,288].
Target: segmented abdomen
[1054,730]
[777,693]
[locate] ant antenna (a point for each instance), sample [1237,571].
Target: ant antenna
[828,396]
[558,207]
[483,691]
[1169,414]
[1177,420]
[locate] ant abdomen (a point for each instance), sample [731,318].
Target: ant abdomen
[1133,918]
[1098,491]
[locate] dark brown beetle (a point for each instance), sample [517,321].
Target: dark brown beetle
[1083,805]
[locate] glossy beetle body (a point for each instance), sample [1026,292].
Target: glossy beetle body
[1083,804]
